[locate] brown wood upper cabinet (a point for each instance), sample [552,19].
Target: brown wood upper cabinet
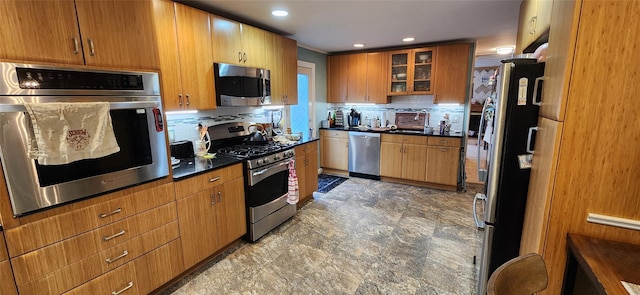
[282,60]
[359,77]
[452,72]
[535,19]
[411,71]
[184,38]
[238,43]
[108,33]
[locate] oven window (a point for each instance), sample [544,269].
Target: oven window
[268,189]
[132,133]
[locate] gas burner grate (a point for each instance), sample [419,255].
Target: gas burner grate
[248,151]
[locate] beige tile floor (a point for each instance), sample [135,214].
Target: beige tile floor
[362,237]
[471,164]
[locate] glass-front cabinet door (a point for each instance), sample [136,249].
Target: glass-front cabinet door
[399,72]
[422,71]
[411,71]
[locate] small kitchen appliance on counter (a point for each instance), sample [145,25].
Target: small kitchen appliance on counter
[354,118]
[339,122]
[181,149]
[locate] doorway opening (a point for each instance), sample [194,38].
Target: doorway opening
[303,114]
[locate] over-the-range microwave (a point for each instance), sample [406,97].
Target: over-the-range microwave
[241,86]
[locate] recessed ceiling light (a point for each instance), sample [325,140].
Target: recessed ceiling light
[408,39]
[505,49]
[358,45]
[280,13]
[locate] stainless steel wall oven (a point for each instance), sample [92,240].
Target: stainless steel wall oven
[136,114]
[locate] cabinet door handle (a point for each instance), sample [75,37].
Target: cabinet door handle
[214,179]
[535,91]
[239,56]
[106,238]
[213,198]
[401,150]
[244,57]
[103,215]
[124,253]
[180,99]
[76,47]
[188,99]
[219,197]
[92,48]
[123,289]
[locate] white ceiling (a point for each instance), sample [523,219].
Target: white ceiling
[333,26]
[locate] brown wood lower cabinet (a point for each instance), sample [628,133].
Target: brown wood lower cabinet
[140,276]
[443,157]
[403,156]
[335,149]
[307,170]
[211,219]
[7,283]
[422,159]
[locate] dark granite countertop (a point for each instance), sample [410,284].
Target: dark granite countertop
[193,166]
[399,131]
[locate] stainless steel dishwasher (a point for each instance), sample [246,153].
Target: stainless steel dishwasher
[364,154]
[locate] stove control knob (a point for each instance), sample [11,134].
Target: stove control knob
[266,160]
[259,162]
[276,157]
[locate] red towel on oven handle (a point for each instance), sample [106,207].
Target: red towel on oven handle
[294,191]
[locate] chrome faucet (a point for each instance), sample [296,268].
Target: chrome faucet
[426,118]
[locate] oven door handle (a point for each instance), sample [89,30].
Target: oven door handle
[15,108]
[257,176]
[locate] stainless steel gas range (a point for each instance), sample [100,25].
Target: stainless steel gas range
[265,177]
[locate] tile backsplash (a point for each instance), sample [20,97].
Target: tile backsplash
[184,126]
[403,105]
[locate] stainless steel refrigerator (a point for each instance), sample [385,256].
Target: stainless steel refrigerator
[509,164]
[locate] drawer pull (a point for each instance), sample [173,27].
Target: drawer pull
[214,179]
[103,215]
[444,150]
[113,236]
[123,289]
[444,141]
[124,253]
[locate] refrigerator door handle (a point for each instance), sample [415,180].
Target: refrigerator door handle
[535,91]
[482,173]
[529,136]
[483,198]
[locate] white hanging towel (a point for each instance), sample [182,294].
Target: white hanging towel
[68,132]
[294,190]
